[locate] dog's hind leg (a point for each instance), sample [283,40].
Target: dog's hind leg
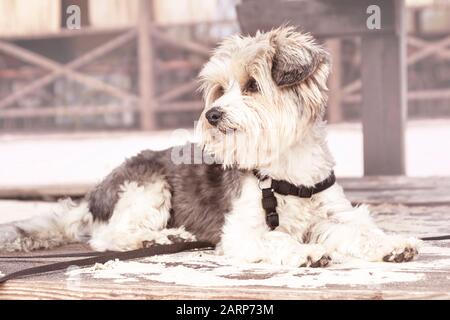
[139,219]
[69,223]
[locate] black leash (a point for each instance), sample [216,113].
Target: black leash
[437,238]
[102,257]
[59,255]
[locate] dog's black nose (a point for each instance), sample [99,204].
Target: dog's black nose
[214,115]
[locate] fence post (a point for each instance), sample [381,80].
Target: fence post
[384,99]
[146,66]
[334,81]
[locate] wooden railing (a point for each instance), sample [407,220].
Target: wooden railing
[150,98]
[147,97]
[425,49]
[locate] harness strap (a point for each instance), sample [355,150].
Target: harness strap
[285,188]
[269,202]
[102,257]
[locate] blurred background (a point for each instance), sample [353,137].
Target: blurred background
[183,33]
[76,100]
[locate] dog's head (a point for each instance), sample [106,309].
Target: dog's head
[261,93]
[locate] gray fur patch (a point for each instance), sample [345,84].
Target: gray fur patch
[201,193]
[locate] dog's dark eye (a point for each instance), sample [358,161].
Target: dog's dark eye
[218,92]
[251,85]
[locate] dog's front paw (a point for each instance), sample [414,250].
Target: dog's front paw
[402,249]
[322,262]
[298,255]
[314,256]
[402,255]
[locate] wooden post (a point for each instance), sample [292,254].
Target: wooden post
[384,99]
[417,20]
[384,63]
[334,81]
[146,63]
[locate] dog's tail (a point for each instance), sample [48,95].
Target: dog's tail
[69,223]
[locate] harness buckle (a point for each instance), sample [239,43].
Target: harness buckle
[265,183]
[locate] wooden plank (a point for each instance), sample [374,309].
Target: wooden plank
[93,31]
[174,93]
[28,56]
[372,190]
[395,182]
[23,72]
[181,106]
[428,50]
[343,17]
[66,33]
[384,101]
[438,50]
[146,72]
[398,190]
[430,94]
[182,44]
[107,290]
[352,87]
[193,24]
[19,17]
[171,65]
[416,95]
[63,111]
[334,109]
[213,277]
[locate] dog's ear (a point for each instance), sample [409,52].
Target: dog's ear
[296,57]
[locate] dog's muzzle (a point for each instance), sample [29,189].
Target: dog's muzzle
[214,115]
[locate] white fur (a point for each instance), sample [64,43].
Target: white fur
[70,223]
[246,236]
[141,214]
[328,221]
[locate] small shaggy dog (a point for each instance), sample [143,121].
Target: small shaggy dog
[260,185]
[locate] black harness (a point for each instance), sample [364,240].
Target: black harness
[269,202]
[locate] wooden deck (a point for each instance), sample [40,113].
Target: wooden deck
[417,207]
